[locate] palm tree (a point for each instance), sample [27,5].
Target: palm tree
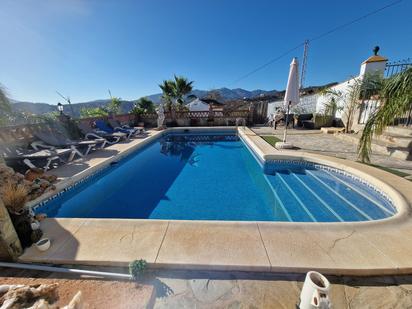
[146,104]
[396,100]
[114,106]
[174,92]
[181,87]
[167,87]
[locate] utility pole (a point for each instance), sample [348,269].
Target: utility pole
[304,63]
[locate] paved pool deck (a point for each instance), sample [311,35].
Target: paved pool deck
[314,141]
[370,248]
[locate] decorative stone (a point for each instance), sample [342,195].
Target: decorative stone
[33,173]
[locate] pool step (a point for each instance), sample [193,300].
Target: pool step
[399,130]
[312,196]
[396,146]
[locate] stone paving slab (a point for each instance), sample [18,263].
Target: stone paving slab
[59,232]
[101,242]
[217,245]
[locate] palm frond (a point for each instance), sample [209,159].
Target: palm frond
[396,99]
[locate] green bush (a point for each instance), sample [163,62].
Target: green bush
[137,269]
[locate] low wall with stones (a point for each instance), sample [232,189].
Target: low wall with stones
[10,247]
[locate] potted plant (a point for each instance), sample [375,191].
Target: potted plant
[14,197]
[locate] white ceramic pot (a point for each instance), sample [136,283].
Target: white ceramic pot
[43,244]
[315,291]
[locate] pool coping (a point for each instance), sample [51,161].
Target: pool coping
[342,248]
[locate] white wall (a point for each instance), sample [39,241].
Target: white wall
[373,67]
[307,105]
[344,88]
[198,106]
[315,103]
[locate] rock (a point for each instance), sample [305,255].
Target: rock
[76,302]
[40,217]
[49,178]
[33,173]
[27,296]
[19,176]
[35,186]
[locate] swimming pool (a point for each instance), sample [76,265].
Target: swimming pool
[214,176]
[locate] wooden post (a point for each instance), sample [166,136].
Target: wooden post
[10,247]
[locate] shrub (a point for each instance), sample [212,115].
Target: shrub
[36,235]
[14,197]
[137,269]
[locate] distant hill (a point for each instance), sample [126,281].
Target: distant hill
[222,94]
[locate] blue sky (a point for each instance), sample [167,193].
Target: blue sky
[82,48]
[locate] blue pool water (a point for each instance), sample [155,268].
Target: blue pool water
[216,177]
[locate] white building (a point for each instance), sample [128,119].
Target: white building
[315,103]
[198,105]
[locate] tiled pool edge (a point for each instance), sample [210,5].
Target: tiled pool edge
[290,255]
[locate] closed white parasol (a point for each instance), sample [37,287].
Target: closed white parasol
[291,97]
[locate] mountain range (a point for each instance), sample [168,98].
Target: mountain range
[223,95]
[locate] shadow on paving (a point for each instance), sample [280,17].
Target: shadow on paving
[80,165]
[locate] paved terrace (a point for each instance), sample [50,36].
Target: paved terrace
[315,141]
[371,248]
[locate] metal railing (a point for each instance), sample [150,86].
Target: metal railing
[396,67]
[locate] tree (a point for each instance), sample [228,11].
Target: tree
[396,100]
[181,88]
[174,91]
[114,105]
[146,104]
[5,107]
[89,112]
[167,93]
[359,89]
[143,105]
[112,108]
[332,101]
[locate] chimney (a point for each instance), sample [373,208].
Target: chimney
[374,65]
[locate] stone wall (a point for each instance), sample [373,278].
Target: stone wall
[10,247]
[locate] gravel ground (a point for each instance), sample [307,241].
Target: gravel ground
[96,292]
[195,289]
